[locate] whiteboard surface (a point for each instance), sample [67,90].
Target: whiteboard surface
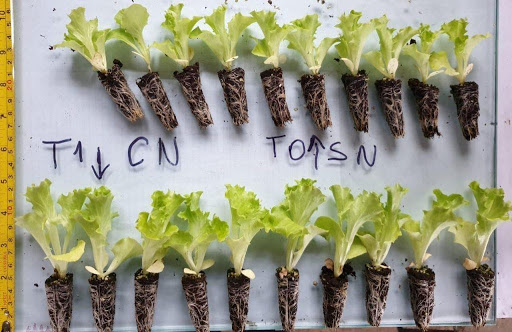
[59,97]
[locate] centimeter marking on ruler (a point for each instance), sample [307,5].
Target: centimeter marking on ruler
[7,176]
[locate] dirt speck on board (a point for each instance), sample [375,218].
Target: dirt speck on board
[36,285]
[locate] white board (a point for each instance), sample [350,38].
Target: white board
[60,97]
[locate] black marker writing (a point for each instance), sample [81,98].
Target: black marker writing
[99,174]
[363,150]
[290,148]
[54,148]
[130,150]
[273,138]
[79,151]
[162,151]
[314,141]
[343,156]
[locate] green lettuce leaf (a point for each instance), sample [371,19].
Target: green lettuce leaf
[492,211]
[132,21]
[221,40]
[51,230]
[353,213]
[353,38]
[391,43]
[84,37]
[386,226]
[291,218]
[464,45]
[273,33]
[435,220]
[182,29]
[302,40]
[193,242]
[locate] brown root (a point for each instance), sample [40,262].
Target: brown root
[480,294]
[103,297]
[468,108]
[377,287]
[59,296]
[117,87]
[356,88]
[313,89]
[335,294]
[233,84]
[196,295]
[390,94]
[190,82]
[422,282]
[152,88]
[273,85]
[238,294]
[427,99]
[146,287]
[288,296]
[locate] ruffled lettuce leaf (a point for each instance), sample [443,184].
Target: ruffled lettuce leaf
[352,214]
[193,242]
[221,40]
[156,228]
[492,211]
[302,40]
[132,21]
[84,37]
[464,45]
[353,38]
[292,217]
[274,34]
[182,29]
[391,43]
[435,220]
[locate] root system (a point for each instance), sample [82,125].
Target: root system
[335,294]
[313,88]
[233,84]
[480,294]
[356,88]
[288,296]
[59,296]
[238,294]
[422,282]
[103,296]
[146,287]
[196,295]
[390,94]
[468,108]
[190,82]
[152,88]
[117,87]
[427,99]
[273,85]
[377,287]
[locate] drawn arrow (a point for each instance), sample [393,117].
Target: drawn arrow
[314,141]
[99,174]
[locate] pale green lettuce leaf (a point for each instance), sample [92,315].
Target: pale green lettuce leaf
[123,250]
[439,61]
[73,255]
[274,34]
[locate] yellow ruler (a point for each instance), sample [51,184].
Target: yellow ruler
[7,176]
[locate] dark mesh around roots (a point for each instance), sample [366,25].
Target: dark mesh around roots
[390,94]
[421,286]
[238,295]
[153,90]
[59,296]
[233,84]
[146,287]
[273,86]
[103,297]
[313,88]
[288,296]
[468,108]
[196,295]
[480,283]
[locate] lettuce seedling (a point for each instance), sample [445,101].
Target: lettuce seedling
[248,217]
[193,242]
[96,220]
[156,229]
[386,226]
[352,214]
[53,231]
[273,36]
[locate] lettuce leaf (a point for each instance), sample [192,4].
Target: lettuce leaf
[273,33]
[302,40]
[492,211]
[248,217]
[391,43]
[291,219]
[435,220]
[156,228]
[84,37]
[464,45]
[353,38]
[52,230]
[182,29]
[96,220]
[132,21]
[193,242]
[386,226]
[221,40]
[353,213]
